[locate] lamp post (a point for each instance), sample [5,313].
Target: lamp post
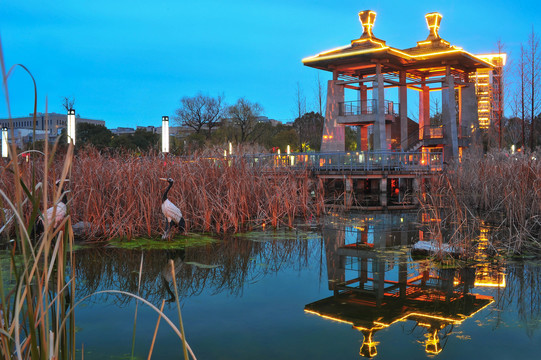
[71,126]
[165,134]
[5,143]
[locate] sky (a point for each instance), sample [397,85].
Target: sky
[130,62]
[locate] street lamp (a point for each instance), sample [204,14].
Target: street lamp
[71,126]
[5,144]
[165,134]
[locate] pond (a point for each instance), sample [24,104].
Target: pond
[347,289]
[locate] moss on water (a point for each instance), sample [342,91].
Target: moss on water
[279,235]
[175,243]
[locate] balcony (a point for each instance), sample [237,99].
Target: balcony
[364,112]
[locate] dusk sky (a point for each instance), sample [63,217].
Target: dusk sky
[130,62]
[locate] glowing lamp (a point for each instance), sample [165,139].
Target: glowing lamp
[230,148]
[71,126]
[5,144]
[165,134]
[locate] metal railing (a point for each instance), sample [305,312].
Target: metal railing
[366,107]
[351,161]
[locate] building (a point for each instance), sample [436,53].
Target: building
[489,87]
[368,70]
[50,122]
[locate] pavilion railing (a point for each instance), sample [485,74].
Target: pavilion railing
[365,107]
[351,161]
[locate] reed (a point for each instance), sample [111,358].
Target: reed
[119,194]
[497,190]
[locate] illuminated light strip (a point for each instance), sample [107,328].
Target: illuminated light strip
[359,41]
[501,284]
[332,50]
[317,57]
[489,57]
[329,317]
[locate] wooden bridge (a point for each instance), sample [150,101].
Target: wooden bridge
[373,180]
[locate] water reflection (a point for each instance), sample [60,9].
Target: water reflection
[226,266]
[375,284]
[358,270]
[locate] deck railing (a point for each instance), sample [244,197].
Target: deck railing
[351,161]
[366,107]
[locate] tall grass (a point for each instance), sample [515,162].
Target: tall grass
[37,274]
[119,195]
[498,189]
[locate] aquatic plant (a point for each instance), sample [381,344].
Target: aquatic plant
[499,190]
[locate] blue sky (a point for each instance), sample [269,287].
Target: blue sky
[130,62]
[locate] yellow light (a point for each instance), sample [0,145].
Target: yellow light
[328,317]
[230,148]
[353,53]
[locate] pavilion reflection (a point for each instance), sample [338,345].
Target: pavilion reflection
[376,284]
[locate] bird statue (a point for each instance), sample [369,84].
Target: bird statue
[59,210]
[171,211]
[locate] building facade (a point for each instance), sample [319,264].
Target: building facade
[50,122]
[489,87]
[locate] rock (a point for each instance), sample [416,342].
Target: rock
[81,227]
[431,247]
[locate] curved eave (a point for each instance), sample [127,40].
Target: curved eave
[344,54]
[326,58]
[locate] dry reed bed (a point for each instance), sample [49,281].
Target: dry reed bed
[120,195]
[498,189]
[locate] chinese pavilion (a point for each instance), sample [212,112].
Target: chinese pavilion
[370,67]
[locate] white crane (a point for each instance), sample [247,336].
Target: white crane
[58,210]
[171,212]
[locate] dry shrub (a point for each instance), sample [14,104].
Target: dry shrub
[498,189]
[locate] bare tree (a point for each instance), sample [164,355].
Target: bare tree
[300,102]
[200,111]
[534,99]
[244,115]
[498,82]
[522,88]
[319,95]
[68,102]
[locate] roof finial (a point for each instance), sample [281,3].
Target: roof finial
[367,18]
[433,21]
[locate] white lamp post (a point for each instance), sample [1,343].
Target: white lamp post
[165,134]
[5,143]
[71,126]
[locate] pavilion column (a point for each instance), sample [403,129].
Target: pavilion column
[450,135]
[362,140]
[403,110]
[334,240]
[364,137]
[424,108]
[333,133]
[469,119]
[378,90]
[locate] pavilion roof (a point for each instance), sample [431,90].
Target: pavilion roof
[427,58]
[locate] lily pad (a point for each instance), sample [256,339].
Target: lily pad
[178,242]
